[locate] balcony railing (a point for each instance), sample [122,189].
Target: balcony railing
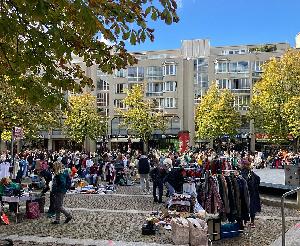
[154,94]
[241,91]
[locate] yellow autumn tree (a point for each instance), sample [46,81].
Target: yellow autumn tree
[16,111]
[83,120]
[140,116]
[275,103]
[215,115]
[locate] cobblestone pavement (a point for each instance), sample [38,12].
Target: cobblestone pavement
[114,220]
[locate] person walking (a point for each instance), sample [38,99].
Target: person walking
[59,189]
[157,175]
[144,170]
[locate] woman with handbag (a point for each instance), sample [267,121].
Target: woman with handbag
[59,189]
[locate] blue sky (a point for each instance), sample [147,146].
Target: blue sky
[228,22]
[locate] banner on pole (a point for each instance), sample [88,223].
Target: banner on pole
[18,133]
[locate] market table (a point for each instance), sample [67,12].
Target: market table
[17,199]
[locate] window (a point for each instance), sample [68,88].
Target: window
[221,67]
[201,72]
[169,69]
[102,85]
[120,88]
[242,102]
[120,73]
[257,66]
[155,87]
[231,52]
[102,99]
[237,84]
[170,86]
[170,102]
[239,67]
[135,74]
[154,73]
[118,103]
[223,83]
[104,112]
[159,103]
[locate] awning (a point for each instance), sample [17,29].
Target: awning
[125,140]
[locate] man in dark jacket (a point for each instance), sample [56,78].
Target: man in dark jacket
[157,175]
[144,170]
[174,180]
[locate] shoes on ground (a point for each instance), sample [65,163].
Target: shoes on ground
[68,220]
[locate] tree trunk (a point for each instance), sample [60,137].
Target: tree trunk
[296,144]
[211,143]
[145,146]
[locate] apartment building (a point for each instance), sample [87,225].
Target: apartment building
[176,80]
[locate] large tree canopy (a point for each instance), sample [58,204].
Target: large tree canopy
[39,37]
[275,103]
[215,115]
[15,111]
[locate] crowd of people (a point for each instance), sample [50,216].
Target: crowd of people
[164,170]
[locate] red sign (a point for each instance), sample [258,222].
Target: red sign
[184,139]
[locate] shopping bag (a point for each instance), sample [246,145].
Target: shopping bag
[32,210]
[41,200]
[180,231]
[198,232]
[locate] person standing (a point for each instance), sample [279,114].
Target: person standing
[157,175]
[253,181]
[59,189]
[144,170]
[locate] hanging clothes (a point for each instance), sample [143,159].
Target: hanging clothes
[213,202]
[4,169]
[253,181]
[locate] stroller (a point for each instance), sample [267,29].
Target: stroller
[121,178]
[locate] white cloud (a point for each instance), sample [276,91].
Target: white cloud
[179,3]
[107,42]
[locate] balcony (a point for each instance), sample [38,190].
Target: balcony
[240,91]
[154,94]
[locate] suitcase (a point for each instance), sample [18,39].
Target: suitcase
[32,210]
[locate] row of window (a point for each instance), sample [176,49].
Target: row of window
[161,87]
[234,84]
[159,103]
[234,51]
[237,66]
[151,87]
[138,73]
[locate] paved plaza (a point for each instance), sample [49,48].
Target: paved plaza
[113,220]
